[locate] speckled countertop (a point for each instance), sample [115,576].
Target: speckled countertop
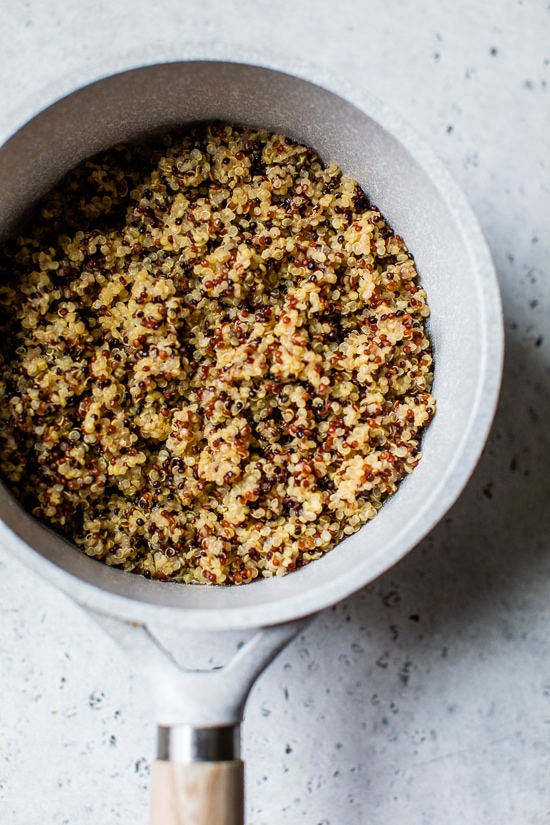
[426,697]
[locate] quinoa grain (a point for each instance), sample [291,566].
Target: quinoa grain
[213,361]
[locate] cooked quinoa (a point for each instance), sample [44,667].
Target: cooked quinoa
[214,364]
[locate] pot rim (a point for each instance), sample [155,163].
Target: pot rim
[310,600]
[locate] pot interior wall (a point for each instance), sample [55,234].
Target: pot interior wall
[454,270]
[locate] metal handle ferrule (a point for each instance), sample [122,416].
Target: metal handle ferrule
[186,744]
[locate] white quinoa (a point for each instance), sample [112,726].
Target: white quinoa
[213,364]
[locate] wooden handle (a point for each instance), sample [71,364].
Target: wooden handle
[201,793]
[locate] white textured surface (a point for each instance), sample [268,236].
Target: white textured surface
[425,698]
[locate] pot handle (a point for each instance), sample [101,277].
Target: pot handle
[198,777]
[200,793]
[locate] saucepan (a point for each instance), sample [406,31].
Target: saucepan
[198,777]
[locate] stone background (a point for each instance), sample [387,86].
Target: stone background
[425,698]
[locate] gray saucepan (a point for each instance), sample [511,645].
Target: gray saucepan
[198,777]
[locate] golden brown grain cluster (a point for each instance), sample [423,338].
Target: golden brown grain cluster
[214,364]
